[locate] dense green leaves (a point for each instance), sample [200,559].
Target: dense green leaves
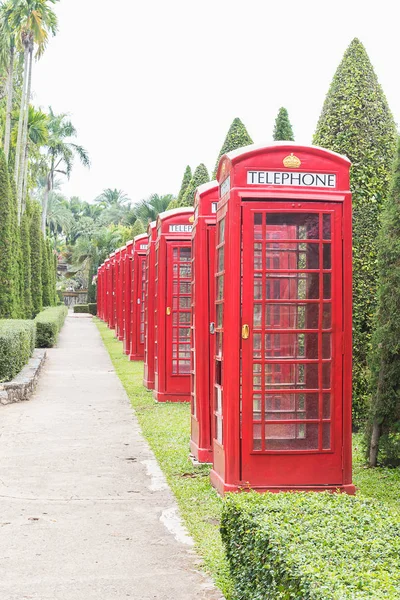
[283,128]
[356,121]
[48,325]
[384,428]
[35,237]
[237,137]
[185,183]
[7,298]
[200,176]
[17,342]
[311,546]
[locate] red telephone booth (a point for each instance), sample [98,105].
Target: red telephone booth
[138,296]
[126,296]
[282,404]
[148,379]
[106,280]
[173,305]
[99,291]
[203,318]
[112,296]
[119,262]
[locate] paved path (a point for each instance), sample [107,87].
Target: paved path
[84,514]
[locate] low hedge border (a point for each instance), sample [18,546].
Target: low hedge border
[17,343]
[48,325]
[81,308]
[92,308]
[314,546]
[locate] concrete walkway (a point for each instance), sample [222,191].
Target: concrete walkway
[85,513]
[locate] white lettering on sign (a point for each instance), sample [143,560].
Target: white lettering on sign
[214,206]
[225,186]
[143,246]
[180,228]
[325,180]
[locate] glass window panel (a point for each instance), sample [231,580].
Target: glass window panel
[257,442]
[302,226]
[291,345]
[221,231]
[175,303]
[257,345]
[326,406]
[185,254]
[174,367]
[292,316]
[326,375]
[295,286]
[257,382]
[220,310]
[257,311]
[258,286]
[220,287]
[326,436]
[218,344]
[175,253]
[184,302]
[174,333]
[327,286]
[218,400]
[185,270]
[257,407]
[218,430]
[302,436]
[258,256]
[184,333]
[184,287]
[184,367]
[326,345]
[221,252]
[327,316]
[184,317]
[327,262]
[326,225]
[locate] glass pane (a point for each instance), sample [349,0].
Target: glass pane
[296,286]
[184,302]
[291,345]
[184,367]
[184,287]
[327,256]
[220,309]
[257,407]
[301,226]
[185,254]
[184,333]
[326,375]
[258,286]
[326,436]
[184,317]
[327,286]
[326,220]
[221,259]
[257,345]
[258,256]
[257,311]
[220,287]
[326,406]
[221,231]
[292,316]
[185,270]
[327,316]
[326,345]
[257,443]
[302,436]
[292,256]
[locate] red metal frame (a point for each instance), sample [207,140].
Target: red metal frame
[283,321]
[119,270]
[111,293]
[99,291]
[148,379]
[172,305]
[106,291]
[138,297]
[203,317]
[127,295]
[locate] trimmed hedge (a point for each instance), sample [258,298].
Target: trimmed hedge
[313,546]
[48,325]
[17,343]
[93,308]
[81,308]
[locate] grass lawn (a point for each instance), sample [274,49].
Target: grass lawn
[167,429]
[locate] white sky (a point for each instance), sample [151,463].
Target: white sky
[153,85]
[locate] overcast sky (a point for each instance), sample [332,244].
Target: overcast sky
[152,86]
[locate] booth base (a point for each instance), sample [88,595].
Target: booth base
[149,385]
[168,397]
[202,455]
[135,356]
[224,488]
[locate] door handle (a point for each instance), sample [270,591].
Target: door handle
[168,311]
[245,332]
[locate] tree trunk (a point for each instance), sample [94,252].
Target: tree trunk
[374,447]
[18,148]
[10,92]
[45,203]
[24,148]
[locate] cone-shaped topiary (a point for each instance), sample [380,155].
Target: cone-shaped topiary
[173,204]
[46,283]
[17,304]
[26,295]
[283,127]
[237,137]
[356,121]
[384,428]
[137,228]
[185,183]
[200,176]
[35,236]
[6,243]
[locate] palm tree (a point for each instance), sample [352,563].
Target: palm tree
[111,197]
[7,57]
[32,20]
[60,154]
[147,210]
[59,218]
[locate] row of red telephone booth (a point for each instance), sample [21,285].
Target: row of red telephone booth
[242,306]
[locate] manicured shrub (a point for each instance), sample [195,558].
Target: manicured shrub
[17,343]
[46,278]
[137,228]
[200,176]
[81,308]
[48,325]
[35,236]
[187,176]
[16,274]
[313,546]
[356,121]
[384,427]
[6,244]
[92,306]
[25,268]
[237,137]
[283,127]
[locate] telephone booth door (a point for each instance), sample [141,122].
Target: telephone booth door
[119,294]
[291,344]
[126,297]
[138,297]
[148,377]
[112,292]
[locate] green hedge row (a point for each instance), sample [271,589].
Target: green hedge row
[314,546]
[90,308]
[17,343]
[48,325]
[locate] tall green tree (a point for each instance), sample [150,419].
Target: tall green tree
[46,277]
[283,127]
[356,121]
[35,237]
[6,242]
[17,309]
[200,176]
[237,137]
[112,197]
[384,426]
[137,228]
[7,59]
[25,268]
[60,154]
[187,176]
[147,210]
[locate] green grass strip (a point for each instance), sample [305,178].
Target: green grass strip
[166,426]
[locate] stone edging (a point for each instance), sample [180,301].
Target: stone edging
[23,385]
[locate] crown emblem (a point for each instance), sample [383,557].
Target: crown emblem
[191,219]
[292,162]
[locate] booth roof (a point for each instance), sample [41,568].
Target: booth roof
[175,211]
[141,236]
[206,187]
